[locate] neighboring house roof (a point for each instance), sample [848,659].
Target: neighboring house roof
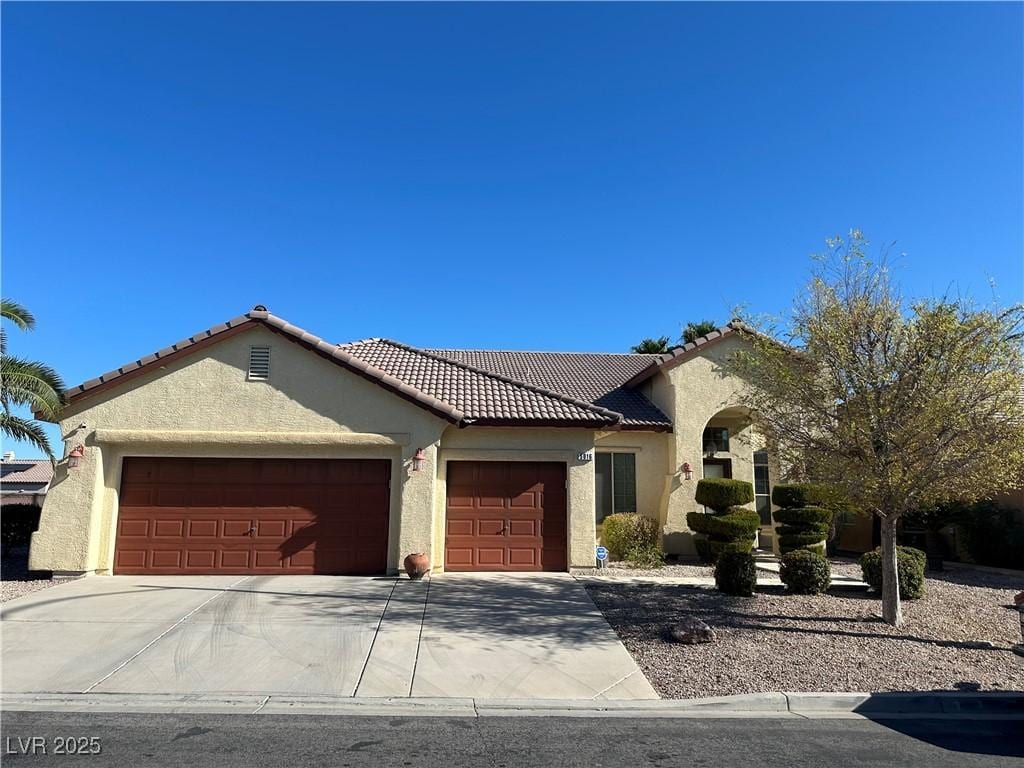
[677,355]
[25,474]
[451,389]
[597,378]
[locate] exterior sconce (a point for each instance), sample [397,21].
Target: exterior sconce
[687,471]
[75,456]
[417,460]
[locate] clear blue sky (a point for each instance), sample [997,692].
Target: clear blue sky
[568,177]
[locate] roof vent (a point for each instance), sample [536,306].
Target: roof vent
[9,456]
[259,363]
[259,308]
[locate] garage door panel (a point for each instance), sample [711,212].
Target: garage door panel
[172,529]
[202,528]
[499,517]
[268,523]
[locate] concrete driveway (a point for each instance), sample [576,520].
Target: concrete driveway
[457,635]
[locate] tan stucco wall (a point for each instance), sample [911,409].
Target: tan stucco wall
[693,393]
[653,467]
[557,445]
[315,408]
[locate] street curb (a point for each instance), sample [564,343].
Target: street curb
[943,705]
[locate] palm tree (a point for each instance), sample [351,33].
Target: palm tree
[694,331]
[26,383]
[651,346]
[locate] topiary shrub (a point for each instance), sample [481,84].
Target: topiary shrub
[805,572]
[645,557]
[804,521]
[626,531]
[736,574]
[721,493]
[729,528]
[910,565]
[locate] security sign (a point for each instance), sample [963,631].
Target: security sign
[602,553]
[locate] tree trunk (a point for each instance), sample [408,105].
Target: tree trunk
[891,612]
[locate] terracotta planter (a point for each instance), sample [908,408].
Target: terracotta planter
[417,565]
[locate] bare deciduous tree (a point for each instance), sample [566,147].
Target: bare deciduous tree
[901,405]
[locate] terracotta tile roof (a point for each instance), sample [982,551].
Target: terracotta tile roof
[29,471]
[451,389]
[485,397]
[597,378]
[677,355]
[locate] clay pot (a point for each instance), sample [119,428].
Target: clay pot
[417,565]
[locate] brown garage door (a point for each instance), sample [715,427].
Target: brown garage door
[505,516]
[252,516]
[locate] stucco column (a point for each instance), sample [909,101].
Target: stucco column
[65,542]
[581,509]
[416,526]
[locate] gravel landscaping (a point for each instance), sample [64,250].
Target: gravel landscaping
[15,578]
[833,642]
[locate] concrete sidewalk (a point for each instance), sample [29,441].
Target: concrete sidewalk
[494,636]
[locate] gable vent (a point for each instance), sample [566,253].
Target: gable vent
[259,363]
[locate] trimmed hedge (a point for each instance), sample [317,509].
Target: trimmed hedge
[805,572]
[804,521]
[910,565]
[737,523]
[800,495]
[721,493]
[736,574]
[730,528]
[626,531]
[804,516]
[709,550]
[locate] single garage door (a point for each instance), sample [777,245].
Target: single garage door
[505,516]
[265,516]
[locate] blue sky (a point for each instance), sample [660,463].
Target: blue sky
[539,176]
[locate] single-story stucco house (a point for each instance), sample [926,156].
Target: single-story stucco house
[257,447]
[24,481]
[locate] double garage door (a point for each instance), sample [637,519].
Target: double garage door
[305,516]
[265,516]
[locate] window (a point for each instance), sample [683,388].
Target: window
[259,363]
[615,483]
[716,439]
[762,487]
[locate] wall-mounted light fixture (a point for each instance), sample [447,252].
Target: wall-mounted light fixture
[687,471]
[75,456]
[417,460]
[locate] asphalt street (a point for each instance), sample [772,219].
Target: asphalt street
[247,741]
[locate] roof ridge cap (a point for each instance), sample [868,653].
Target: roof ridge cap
[541,352]
[508,380]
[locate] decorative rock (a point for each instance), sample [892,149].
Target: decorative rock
[690,631]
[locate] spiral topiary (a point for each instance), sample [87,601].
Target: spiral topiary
[729,527]
[803,520]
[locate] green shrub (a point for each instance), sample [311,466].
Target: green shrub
[804,519]
[804,516]
[805,572]
[644,557]
[736,574]
[708,550]
[721,493]
[17,523]
[910,564]
[801,495]
[627,531]
[737,523]
[991,534]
